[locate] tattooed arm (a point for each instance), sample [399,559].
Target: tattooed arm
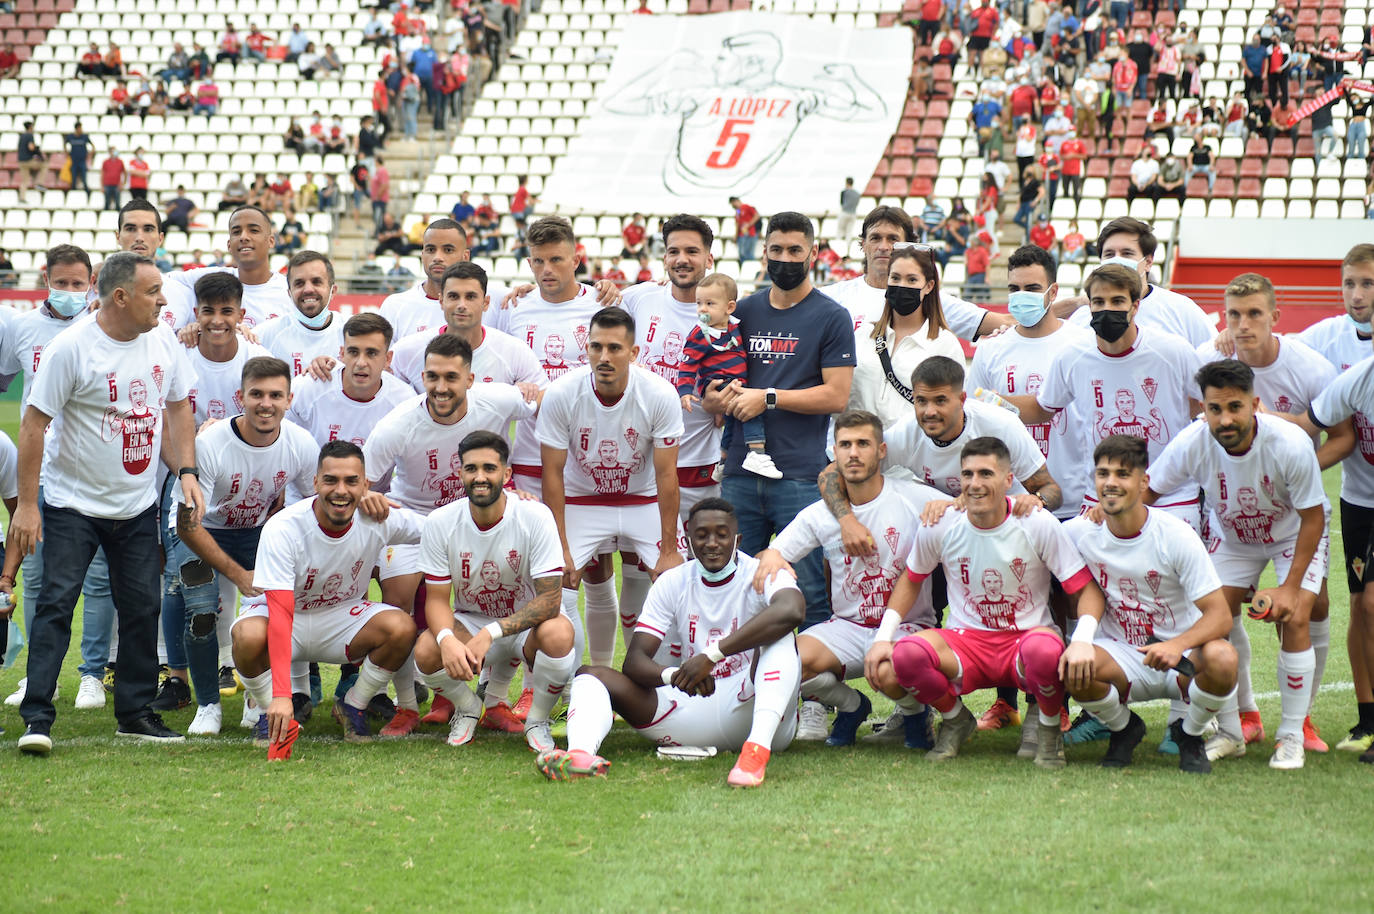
[854,535]
[1042,484]
[541,608]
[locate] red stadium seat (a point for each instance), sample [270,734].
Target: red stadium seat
[1118,186]
[903,146]
[1251,168]
[1099,167]
[1197,187]
[938,108]
[883,168]
[1226,168]
[1225,189]
[909,127]
[915,107]
[1276,168]
[895,187]
[1249,189]
[921,187]
[903,168]
[874,188]
[927,167]
[1306,16]
[887,20]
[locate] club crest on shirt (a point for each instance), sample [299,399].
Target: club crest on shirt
[1149,386]
[157,377]
[1267,485]
[1283,404]
[892,537]
[1152,580]
[357,569]
[513,560]
[580,334]
[1018,568]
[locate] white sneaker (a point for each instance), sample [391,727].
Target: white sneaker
[814,722]
[761,464]
[461,730]
[1223,746]
[91,694]
[892,730]
[208,720]
[1288,752]
[539,736]
[251,713]
[16,698]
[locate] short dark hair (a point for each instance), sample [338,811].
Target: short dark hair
[219,287]
[685,222]
[444,223]
[1117,276]
[714,503]
[449,346]
[938,371]
[257,209]
[264,366]
[614,316]
[59,254]
[550,230]
[1128,450]
[1033,255]
[857,418]
[137,205]
[789,221]
[476,441]
[301,258]
[1145,236]
[340,449]
[893,214]
[986,446]
[367,323]
[1226,373]
[464,269]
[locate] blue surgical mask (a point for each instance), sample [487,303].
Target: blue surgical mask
[715,577]
[1366,328]
[67,304]
[318,322]
[1132,265]
[1027,307]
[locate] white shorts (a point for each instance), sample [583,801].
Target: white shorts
[1240,564]
[722,719]
[322,635]
[531,484]
[850,641]
[397,561]
[596,529]
[1147,683]
[687,499]
[510,649]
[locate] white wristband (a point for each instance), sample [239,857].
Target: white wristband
[888,627]
[1084,631]
[714,653]
[446,633]
[493,629]
[668,673]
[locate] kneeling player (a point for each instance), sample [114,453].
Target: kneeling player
[314,562]
[495,564]
[995,636]
[1167,640]
[737,687]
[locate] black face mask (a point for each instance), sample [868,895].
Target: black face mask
[904,300]
[787,275]
[1111,325]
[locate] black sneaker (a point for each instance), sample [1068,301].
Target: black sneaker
[228,683]
[108,681]
[1121,744]
[1367,756]
[421,694]
[1192,750]
[148,728]
[301,708]
[36,740]
[381,707]
[173,695]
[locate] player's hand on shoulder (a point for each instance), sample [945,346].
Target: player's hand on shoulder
[322,368]
[248,333]
[936,508]
[1024,504]
[1225,343]
[525,496]
[529,391]
[515,294]
[770,563]
[607,293]
[189,335]
[1095,514]
[376,506]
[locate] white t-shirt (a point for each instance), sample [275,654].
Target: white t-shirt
[701,613]
[861,586]
[1340,342]
[1144,392]
[610,446]
[297,345]
[328,414]
[1152,581]
[662,324]
[241,482]
[938,465]
[492,571]
[1292,382]
[871,389]
[1162,309]
[24,339]
[1143,171]
[1010,363]
[1352,389]
[9,471]
[424,453]
[413,311]
[865,305]
[323,570]
[999,579]
[215,394]
[261,302]
[500,358]
[1255,497]
[111,396]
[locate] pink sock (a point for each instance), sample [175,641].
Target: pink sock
[1038,654]
[917,666]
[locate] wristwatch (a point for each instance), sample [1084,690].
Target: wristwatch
[194,471]
[770,398]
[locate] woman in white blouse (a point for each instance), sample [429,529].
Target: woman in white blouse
[910,330]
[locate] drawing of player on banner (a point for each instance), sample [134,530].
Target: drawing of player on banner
[737,118]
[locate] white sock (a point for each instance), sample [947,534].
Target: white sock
[908,705]
[300,676]
[404,681]
[371,680]
[1109,709]
[1295,689]
[224,624]
[1320,633]
[634,589]
[1047,720]
[462,696]
[548,678]
[601,617]
[589,714]
[1228,718]
[1240,640]
[499,679]
[827,689]
[775,688]
[1203,706]
[259,688]
[1178,709]
[954,711]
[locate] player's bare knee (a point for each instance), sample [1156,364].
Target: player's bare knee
[555,637]
[1216,663]
[427,658]
[249,646]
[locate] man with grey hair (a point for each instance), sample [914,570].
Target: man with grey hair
[114,384]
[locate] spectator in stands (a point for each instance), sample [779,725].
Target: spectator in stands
[294,138]
[1357,127]
[463,210]
[458,70]
[1322,131]
[955,232]
[308,61]
[200,61]
[1192,55]
[113,176]
[1032,198]
[1141,53]
[1026,147]
[1260,119]
[746,228]
[367,142]
[1280,58]
[390,237]
[308,196]
[179,212]
[1236,117]
[947,46]
[235,194]
[932,15]
[335,141]
[1168,63]
[31,161]
[296,42]
[399,278]
[1200,161]
[985,18]
[185,100]
[1074,246]
[112,64]
[1299,65]
[120,103]
[1171,179]
[91,62]
[178,65]
[81,152]
[230,47]
[976,261]
[379,189]
[330,195]
[1157,123]
[1144,175]
[986,117]
[1024,104]
[330,64]
[932,217]
[207,98]
[1254,59]
[375,31]
[9,276]
[633,236]
[260,194]
[9,61]
[1052,168]
[1125,78]
[255,45]
[361,178]
[291,236]
[410,103]
[282,192]
[422,65]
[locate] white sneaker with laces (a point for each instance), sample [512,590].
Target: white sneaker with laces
[1223,746]
[462,728]
[761,464]
[16,698]
[1288,752]
[251,713]
[91,694]
[892,730]
[814,722]
[209,718]
[539,736]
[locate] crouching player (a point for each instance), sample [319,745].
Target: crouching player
[1164,621]
[314,562]
[737,687]
[495,564]
[997,635]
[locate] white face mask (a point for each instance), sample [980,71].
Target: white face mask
[1126,262]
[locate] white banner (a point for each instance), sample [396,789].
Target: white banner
[777,110]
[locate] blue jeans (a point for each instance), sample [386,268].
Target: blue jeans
[410,114]
[1357,139]
[199,585]
[753,433]
[132,546]
[763,507]
[747,245]
[1121,13]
